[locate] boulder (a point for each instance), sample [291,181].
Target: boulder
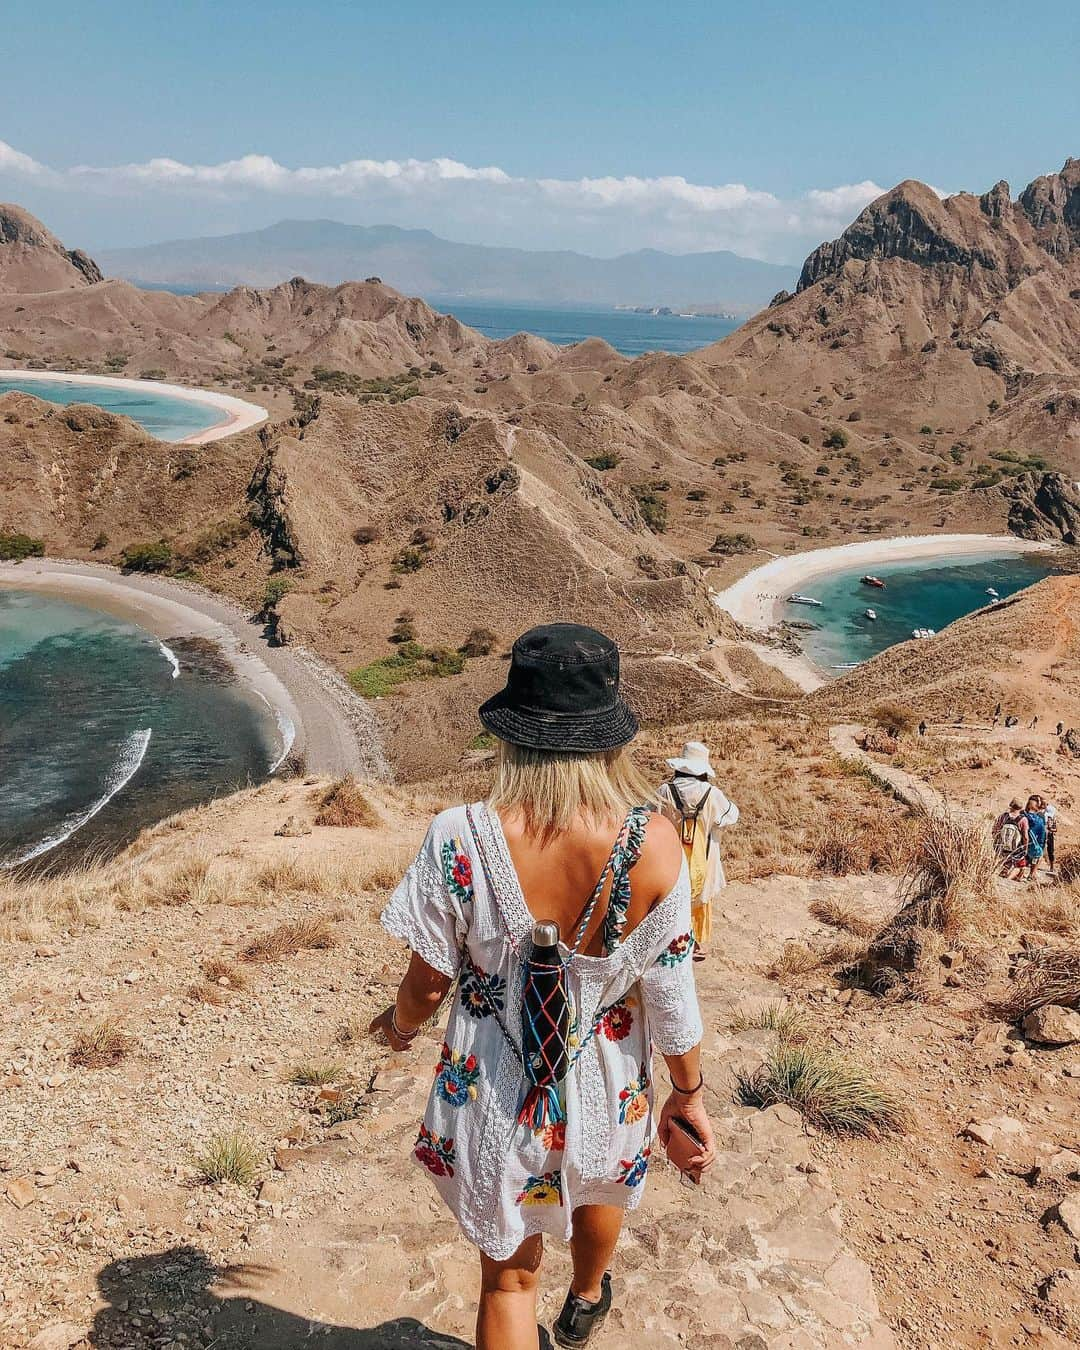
[1053,1025]
[1068,1214]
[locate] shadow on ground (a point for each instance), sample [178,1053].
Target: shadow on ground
[181,1292]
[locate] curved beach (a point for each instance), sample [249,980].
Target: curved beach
[756,600]
[321,723]
[237,414]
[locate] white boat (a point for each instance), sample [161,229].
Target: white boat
[923,632]
[870,613]
[798,599]
[992,593]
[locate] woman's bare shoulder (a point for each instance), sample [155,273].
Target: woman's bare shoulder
[661,857]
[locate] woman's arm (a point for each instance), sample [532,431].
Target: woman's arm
[418,998]
[687,1100]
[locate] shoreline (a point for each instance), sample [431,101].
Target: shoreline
[321,722]
[756,600]
[239,414]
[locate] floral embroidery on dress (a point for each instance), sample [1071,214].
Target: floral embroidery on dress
[617,1022]
[457,869]
[677,950]
[436,1152]
[457,1076]
[633,1172]
[482,994]
[553,1137]
[634,1098]
[546,1189]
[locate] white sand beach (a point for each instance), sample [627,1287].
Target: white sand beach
[756,600]
[238,415]
[321,723]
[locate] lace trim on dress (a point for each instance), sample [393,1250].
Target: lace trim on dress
[400,921]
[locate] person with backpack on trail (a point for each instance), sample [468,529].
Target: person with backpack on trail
[699,811]
[1036,818]
[1011,839]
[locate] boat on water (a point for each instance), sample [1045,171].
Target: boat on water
[873,581]
[992,593]
[798,599]
[923,632]
[870,613]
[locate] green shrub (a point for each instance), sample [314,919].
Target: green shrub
[215,539]
[155,373]
[653,508]
[101,540]
[836,439]
[602,462]
[407,560]
[15,546]
[150,557]
[232,1156]
[410,662]
[277,587]
[731,544]
[926,431]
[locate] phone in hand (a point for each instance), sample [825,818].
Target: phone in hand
[685,1143]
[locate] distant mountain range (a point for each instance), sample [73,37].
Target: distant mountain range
[418,262]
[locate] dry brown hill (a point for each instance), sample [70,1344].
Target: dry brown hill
[32,259]
[1023,653]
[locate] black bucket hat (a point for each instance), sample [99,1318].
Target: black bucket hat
[562,693]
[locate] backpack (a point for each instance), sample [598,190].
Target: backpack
[1010,837]
[695,842]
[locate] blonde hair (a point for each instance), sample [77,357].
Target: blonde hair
[554,788]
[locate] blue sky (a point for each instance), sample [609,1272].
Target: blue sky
[601,126]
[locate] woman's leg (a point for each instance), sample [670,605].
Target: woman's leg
[596,1230]
[506,1317]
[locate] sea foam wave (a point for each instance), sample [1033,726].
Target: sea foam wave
[132,754]
[171,657]
[286,729]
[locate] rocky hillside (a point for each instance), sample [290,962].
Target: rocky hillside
[32,259]
[929,310]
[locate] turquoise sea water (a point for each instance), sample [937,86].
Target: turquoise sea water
[97,736]
[917,595]
[163,415]
[631,334]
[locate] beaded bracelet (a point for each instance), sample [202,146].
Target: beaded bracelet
[688,1092]
[401,1035]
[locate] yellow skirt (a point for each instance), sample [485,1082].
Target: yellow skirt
[701,923]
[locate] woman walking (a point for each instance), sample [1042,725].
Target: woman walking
[1011,840]
[699,811]
[1036,819]
[561,905]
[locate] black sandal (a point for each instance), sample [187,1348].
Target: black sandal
[579,1319]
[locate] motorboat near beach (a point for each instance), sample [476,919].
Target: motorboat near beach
[923,632]
[870,613]
[873,581]
[798,599]
[992,593]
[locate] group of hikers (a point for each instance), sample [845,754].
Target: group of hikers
[1024,836]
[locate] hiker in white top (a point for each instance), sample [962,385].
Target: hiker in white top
[699,810]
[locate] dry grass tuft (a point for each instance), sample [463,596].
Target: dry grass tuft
[205,992]
[315,1074]
[950,884]
[795,959]
[344,803]
[830,1091]
[218,969]
[838,852]
[101,1047]
[787,1022]
[846,917]
[290,938]
[1056,912]
[231,1156]
[1041,976]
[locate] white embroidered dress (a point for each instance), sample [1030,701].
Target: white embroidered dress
[503,1180]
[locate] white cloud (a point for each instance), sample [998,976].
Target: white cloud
[667,211]
[14,161]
